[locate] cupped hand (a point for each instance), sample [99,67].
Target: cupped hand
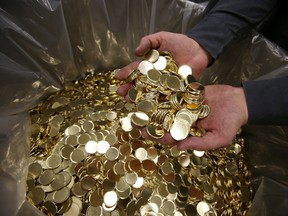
[228,112]
[183,49]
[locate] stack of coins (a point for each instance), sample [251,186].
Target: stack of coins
[167,95]
[84,163]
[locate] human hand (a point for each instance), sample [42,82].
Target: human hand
[228,112]
[183,49]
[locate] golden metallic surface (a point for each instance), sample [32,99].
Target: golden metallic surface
[95,155]
[135,133]
[202,208]
[77,156]
[35,169]
[153,76]
[50,208]
[155,130]
[173,83]
[58,182]
[141,154]
[62,195]
[87,182]
[112,153]
[152,55]
[160,64]
[184,71]
[139,119]
[132,75]
[180,129]
[145,66]
[77,190]
[46,177]
[53,161]
[36,195]
[134,94]
[83,138]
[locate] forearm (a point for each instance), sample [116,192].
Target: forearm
[267,101]
[226,20]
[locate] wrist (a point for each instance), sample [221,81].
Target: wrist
[240,96]
[208,59]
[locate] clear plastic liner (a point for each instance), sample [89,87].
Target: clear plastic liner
[270,199]
[45,43]
[35,54]
[14,154]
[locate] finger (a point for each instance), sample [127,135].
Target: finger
[147,43]
[123,89]
[208,142]
[166,139]
[127,98]
[123,73]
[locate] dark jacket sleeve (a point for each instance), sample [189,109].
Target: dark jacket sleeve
[224,20]
[267,101]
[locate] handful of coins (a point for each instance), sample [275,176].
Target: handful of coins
[167,98]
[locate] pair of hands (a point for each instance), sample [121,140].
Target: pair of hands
[228,109]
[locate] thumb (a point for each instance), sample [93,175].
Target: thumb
[143,48]
[147,43]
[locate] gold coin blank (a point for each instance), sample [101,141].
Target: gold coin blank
[112,154]
[77,156]
[62,195]
[153,75]
[140,119]
[58,182]
[145,66]
[46,177]
[87,182]
[94,211]
[167,168]
[35,169]
[72,130]
[141,154]
[146,106]
[83,138]
[95,199]
[50,207]
[110,198]
[202,207]
[173,83]
[91,147]
[37,195]
[65,151]
[184,71]
[149,165]
[77,190]
[87,126]
[169,206]
[152,55]
[160,64]
[155,130]
[53,161]
[133,94]
[180,129]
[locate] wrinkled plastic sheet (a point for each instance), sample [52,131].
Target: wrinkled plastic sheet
[45,43]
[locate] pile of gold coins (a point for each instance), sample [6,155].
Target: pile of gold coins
[82,162]
[166,96]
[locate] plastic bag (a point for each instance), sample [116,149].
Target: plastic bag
[45,43]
